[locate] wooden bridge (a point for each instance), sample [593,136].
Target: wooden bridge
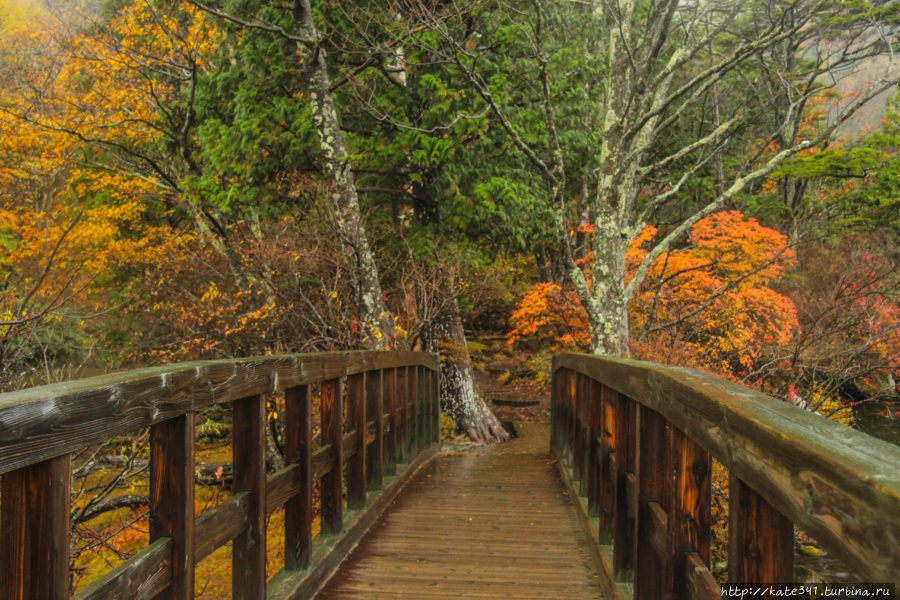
[623,513]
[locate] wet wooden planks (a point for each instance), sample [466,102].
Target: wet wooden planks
[491,523]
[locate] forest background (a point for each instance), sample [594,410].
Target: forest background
[710,184]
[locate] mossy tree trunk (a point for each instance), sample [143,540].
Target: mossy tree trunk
[458,396]
[336,162]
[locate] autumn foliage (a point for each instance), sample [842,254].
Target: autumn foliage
[713,298]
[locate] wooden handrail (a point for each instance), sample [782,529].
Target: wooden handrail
[635,442]
[391,402]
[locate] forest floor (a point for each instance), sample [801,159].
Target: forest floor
[514,383]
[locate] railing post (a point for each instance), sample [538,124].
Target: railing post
[563,415]
[356,467]
[653,567]
[412,386]
[625,515]
[172,498]
[332,433]
[578,435]
[595,426]
[34,529]
[571,417]
[249,459]
[375,411]
[390,398]
[760,539]
[689,509]
[436,399]
[298,515]
[401,408]
[608,475]
[554,411]
[423,437]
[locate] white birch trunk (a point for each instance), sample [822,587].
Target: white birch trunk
[377,319]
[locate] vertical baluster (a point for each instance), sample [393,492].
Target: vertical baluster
[572,416]
[34,530]
[653,569]
[435,379]
[412,387]
[555,381]
[607,491]
[690,496]
[332,433]
[298,514]
[760,539]
[249,460]
[595,426]
[375,411]
[564,416]
[390,443]
[578,433]
[624,517]
[422,439]
[425,399]
[172,498]
[356,466]
[400,400]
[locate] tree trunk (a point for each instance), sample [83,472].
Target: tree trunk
[377,319]
[608,312]
[458,397]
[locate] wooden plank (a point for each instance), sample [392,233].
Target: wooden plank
[689,505]
[172,498]
[840,486]
[508,558]
[699,582]
[322,461]
[145,575]
[653,565]
[760,538]
[298,510]
[327,558]
[375,411]
[656,523]
[34,531]
[389,385]
[332,433]
[602,553]
[349,445]
[624,524]
[218,526]
[356,418]
[47,421]
[248,555]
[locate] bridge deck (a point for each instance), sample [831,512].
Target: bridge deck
[491,523]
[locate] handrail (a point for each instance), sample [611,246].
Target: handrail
[635,439]
[391,406]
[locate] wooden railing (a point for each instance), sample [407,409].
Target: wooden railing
[634,442]
[393,427]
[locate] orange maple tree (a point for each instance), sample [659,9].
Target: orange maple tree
[713,297]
